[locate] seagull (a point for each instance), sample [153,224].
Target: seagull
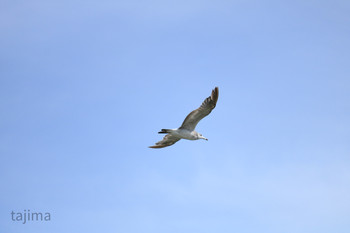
[186,130]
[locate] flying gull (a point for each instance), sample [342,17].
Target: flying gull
[186,130]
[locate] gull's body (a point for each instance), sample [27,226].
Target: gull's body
[186,130]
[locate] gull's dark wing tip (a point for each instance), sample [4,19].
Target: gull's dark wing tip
[215,94]
[156,147]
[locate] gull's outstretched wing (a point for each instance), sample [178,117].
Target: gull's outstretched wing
[195,116]
[168,140]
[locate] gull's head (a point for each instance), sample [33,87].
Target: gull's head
[200,136]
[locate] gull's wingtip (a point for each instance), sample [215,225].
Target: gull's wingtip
[215,94]
[155,147]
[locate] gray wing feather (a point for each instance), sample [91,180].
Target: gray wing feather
[195,116]
[168,140]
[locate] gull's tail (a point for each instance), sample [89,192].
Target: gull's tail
[165,131]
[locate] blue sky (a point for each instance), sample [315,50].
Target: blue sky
[85,86]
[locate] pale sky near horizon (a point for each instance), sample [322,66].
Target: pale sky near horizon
[85,86]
